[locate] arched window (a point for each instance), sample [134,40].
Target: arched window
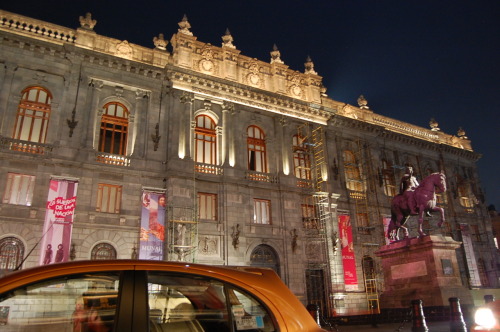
[265,256]
[352,172]
[114,129]
[369,267]
[205,140]
[464,194]
[103,251]
[388,179]
[256,146]
[33,115]
[301,158]
[11,253]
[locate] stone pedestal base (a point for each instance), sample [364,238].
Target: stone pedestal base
[421,268]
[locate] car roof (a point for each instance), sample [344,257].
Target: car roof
[262,282]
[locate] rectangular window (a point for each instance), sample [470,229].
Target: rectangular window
[109,198]
[19,189]
[261,211]
[310,216]
[207,206]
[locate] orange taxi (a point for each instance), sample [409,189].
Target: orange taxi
[140,295]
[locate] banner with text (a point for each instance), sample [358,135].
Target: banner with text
[58,225]
[348,259]
[152,226]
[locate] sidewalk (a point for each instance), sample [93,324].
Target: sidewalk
[392,327]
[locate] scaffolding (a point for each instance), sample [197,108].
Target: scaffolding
[183,220]
[368,222]
[318,225]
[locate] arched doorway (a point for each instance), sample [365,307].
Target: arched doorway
[265,256]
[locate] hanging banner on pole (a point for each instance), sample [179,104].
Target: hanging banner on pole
[58,225]
[348,258]
[152,235]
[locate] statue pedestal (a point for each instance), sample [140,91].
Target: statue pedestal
[421,268]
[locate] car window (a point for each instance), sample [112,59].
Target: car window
[75,303]
[191,303]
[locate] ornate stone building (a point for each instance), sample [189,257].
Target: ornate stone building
[257,164]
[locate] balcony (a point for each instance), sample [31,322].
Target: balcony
[261,177]
[112,159]
[208,169]
[25,146]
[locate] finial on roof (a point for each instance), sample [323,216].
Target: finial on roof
[434,125]
[160,42]
[309,65]
[185,26]
[227,40]
[276,55]
[461,133]
[87,22]
[362,102]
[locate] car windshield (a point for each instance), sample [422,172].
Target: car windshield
[191,303]
[85,302]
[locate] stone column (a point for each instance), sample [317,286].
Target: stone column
[285,151]
[184,125]
[6,85]
[139,125]
[227,135]
[94,117]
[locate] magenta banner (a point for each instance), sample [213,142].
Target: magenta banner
[152,235]
[348,259]
[58,225]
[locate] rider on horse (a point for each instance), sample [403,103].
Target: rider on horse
[407,187]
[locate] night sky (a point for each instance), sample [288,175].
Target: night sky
[412,60]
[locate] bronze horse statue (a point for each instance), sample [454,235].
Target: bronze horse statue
[424,200]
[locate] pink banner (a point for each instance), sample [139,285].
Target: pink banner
[152,226]
[348,259]
[58,225]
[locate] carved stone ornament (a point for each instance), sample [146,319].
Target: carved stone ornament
[276,55]
[227,40]
[185,26]
[309,67]
[207,65]
[87,22]
[253,79]
[434,125]
[123,49]
[296,90]
[160,42]
[362,102]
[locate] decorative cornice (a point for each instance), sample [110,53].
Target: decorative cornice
[244,95]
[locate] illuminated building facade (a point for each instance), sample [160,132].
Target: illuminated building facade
[193,152]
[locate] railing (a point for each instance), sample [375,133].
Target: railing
[112,159]
[25,146]
[405,128]
[40,28]
[262,177]
[208,169]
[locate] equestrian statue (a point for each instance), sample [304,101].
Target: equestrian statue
[415,199]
